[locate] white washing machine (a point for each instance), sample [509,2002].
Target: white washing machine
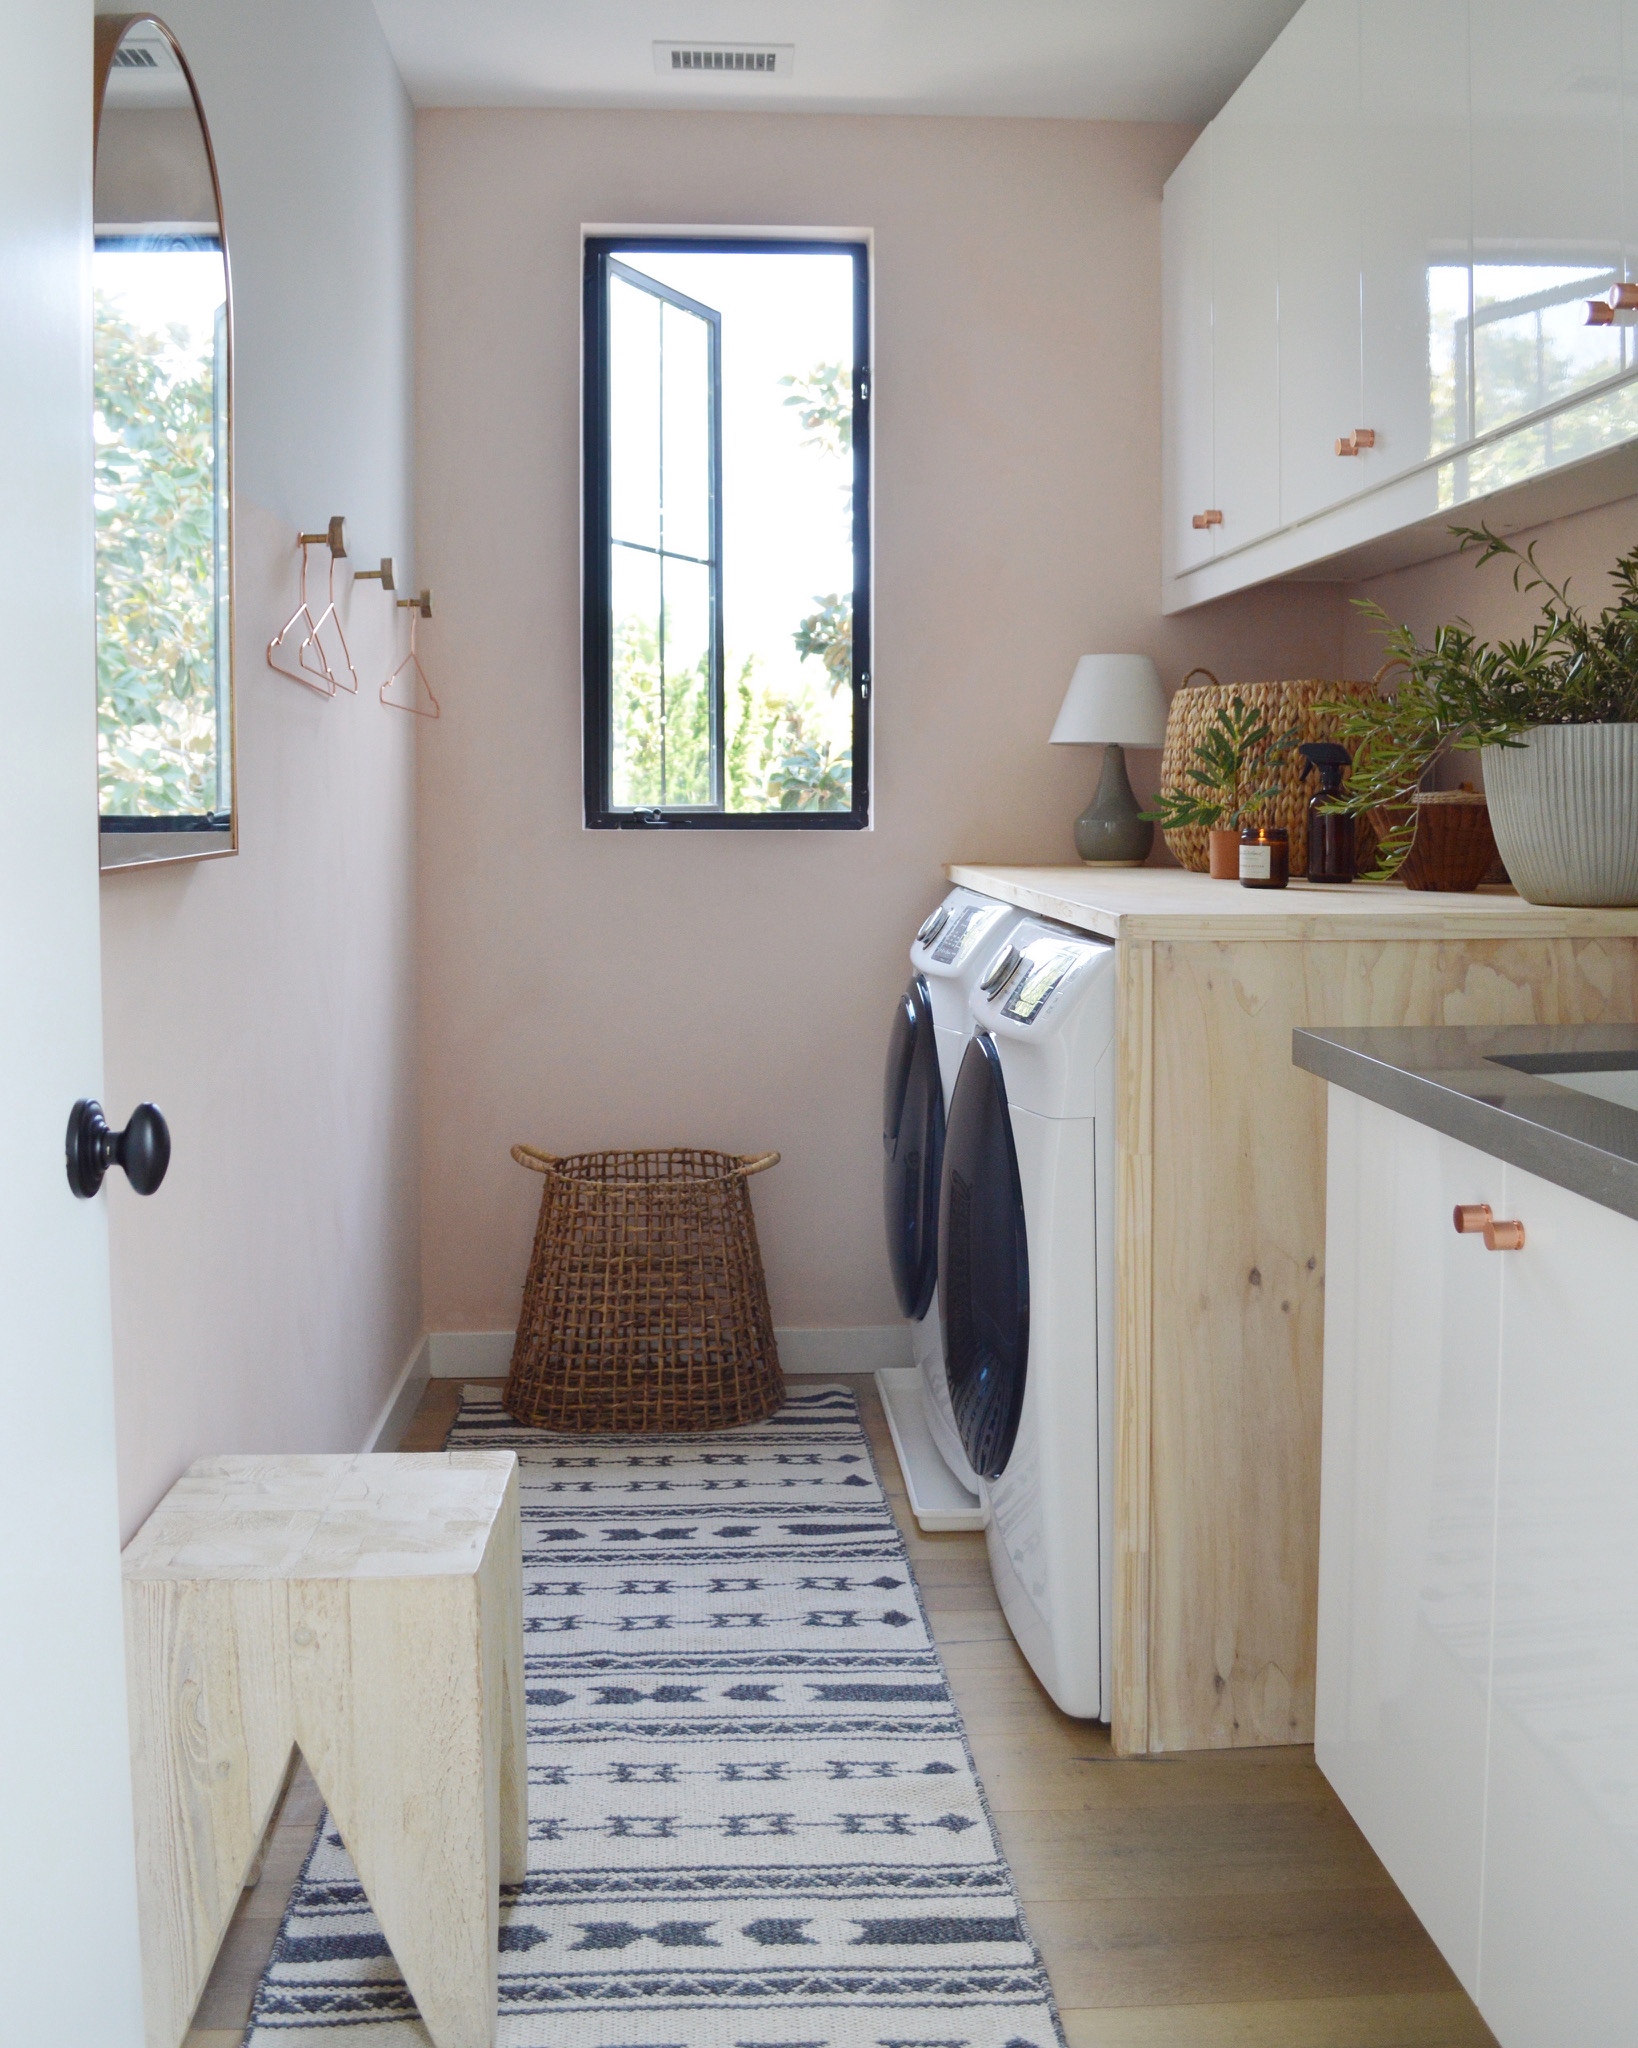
[932,1022]
[1026,1286]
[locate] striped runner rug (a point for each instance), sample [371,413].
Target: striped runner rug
[754,1817]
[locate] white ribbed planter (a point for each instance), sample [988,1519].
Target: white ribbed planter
[1564,808]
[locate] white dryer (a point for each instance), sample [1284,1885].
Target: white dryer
[1027,1293]
[932,1022]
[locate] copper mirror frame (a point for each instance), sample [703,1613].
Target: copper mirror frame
[175,812]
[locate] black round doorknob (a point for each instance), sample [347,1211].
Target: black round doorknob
[143,1148]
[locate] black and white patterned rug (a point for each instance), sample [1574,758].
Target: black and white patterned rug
[754,1818]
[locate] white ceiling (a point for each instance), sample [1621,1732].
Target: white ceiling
[1110,60]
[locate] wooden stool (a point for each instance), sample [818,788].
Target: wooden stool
[366,1611]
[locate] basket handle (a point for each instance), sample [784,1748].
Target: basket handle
[1193,672]
[537,1162]
[1393,661]
[759,1164]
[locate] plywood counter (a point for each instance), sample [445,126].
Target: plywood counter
[1221,1236]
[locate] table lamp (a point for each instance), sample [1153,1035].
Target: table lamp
[1115,699]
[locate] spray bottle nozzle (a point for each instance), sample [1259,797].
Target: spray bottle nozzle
[1329,759]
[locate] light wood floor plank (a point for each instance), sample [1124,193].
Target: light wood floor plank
[1269,1945]
[1410,2020]
[1187,1851]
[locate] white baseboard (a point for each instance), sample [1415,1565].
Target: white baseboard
[486,1354]
[471,1354]
[865,1349]
[403,1401]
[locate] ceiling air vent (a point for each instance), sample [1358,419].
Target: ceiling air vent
[135,57]
[724,60]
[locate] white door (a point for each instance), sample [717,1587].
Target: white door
[1185,363]
[1245,308]
[1320,214]
[68,1945]
[1415,286]
[1558,1963]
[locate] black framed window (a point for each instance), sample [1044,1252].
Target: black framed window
[727,533]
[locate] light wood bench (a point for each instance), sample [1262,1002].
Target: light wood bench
[367,1611]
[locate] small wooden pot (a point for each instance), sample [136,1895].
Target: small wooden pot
[1223,855]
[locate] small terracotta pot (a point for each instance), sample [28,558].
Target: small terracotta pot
[1223,855]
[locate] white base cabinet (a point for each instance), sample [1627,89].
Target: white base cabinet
[1477,1703]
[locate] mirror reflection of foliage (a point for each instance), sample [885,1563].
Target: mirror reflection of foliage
[805,774]
[155,574]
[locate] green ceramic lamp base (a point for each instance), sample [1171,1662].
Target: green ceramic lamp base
[1111,832]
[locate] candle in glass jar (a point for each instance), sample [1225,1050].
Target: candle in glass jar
[1265,857]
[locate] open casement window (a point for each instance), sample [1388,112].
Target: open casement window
[727,534]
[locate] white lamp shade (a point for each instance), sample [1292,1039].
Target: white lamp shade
[1113,698]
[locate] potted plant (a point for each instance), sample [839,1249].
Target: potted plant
[1553,715]
[1232,753]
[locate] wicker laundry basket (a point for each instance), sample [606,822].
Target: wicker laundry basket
[645,1307]
[1282,706]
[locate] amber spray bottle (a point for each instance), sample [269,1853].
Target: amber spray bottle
[1330,833]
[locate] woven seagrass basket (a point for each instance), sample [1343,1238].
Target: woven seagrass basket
[1282,706]
[645,1308]
[1454,846]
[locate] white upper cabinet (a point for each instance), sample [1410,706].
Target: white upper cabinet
[1245,314]
[1415,273]
[1547,219]
[1317,67]
[1387,240]
[1186,364]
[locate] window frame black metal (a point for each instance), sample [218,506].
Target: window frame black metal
[597,653]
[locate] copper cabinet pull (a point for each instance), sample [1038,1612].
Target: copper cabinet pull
[1356,442]
[1474,1218]
[1205,519]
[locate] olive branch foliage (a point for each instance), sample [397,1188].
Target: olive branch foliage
[1460,691]
[1235,749]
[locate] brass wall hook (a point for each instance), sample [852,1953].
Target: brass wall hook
[334,537]
[383,575]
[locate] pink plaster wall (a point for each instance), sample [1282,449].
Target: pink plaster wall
[582,989]
[267,1297]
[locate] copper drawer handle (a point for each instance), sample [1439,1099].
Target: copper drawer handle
[1474,1218]
[1356,442]
[1204,519]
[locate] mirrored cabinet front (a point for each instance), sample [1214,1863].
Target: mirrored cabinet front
[163,432]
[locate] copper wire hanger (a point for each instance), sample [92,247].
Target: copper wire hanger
[315,673]
[418,608]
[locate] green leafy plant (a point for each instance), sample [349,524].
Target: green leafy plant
[1463,692]
[1223,779]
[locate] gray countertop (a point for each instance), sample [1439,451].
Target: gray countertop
[1496,1091]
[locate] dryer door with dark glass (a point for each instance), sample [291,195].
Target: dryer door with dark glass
[983,1263]
[912,1150]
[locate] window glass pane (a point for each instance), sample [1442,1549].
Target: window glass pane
[685,647]
[686,435]
[787,377]
[159,310]
[635,778]
[634,414]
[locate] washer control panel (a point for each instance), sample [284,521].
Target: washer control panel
[1039,970]
[948,938]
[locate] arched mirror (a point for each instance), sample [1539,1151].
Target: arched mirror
[163,427]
